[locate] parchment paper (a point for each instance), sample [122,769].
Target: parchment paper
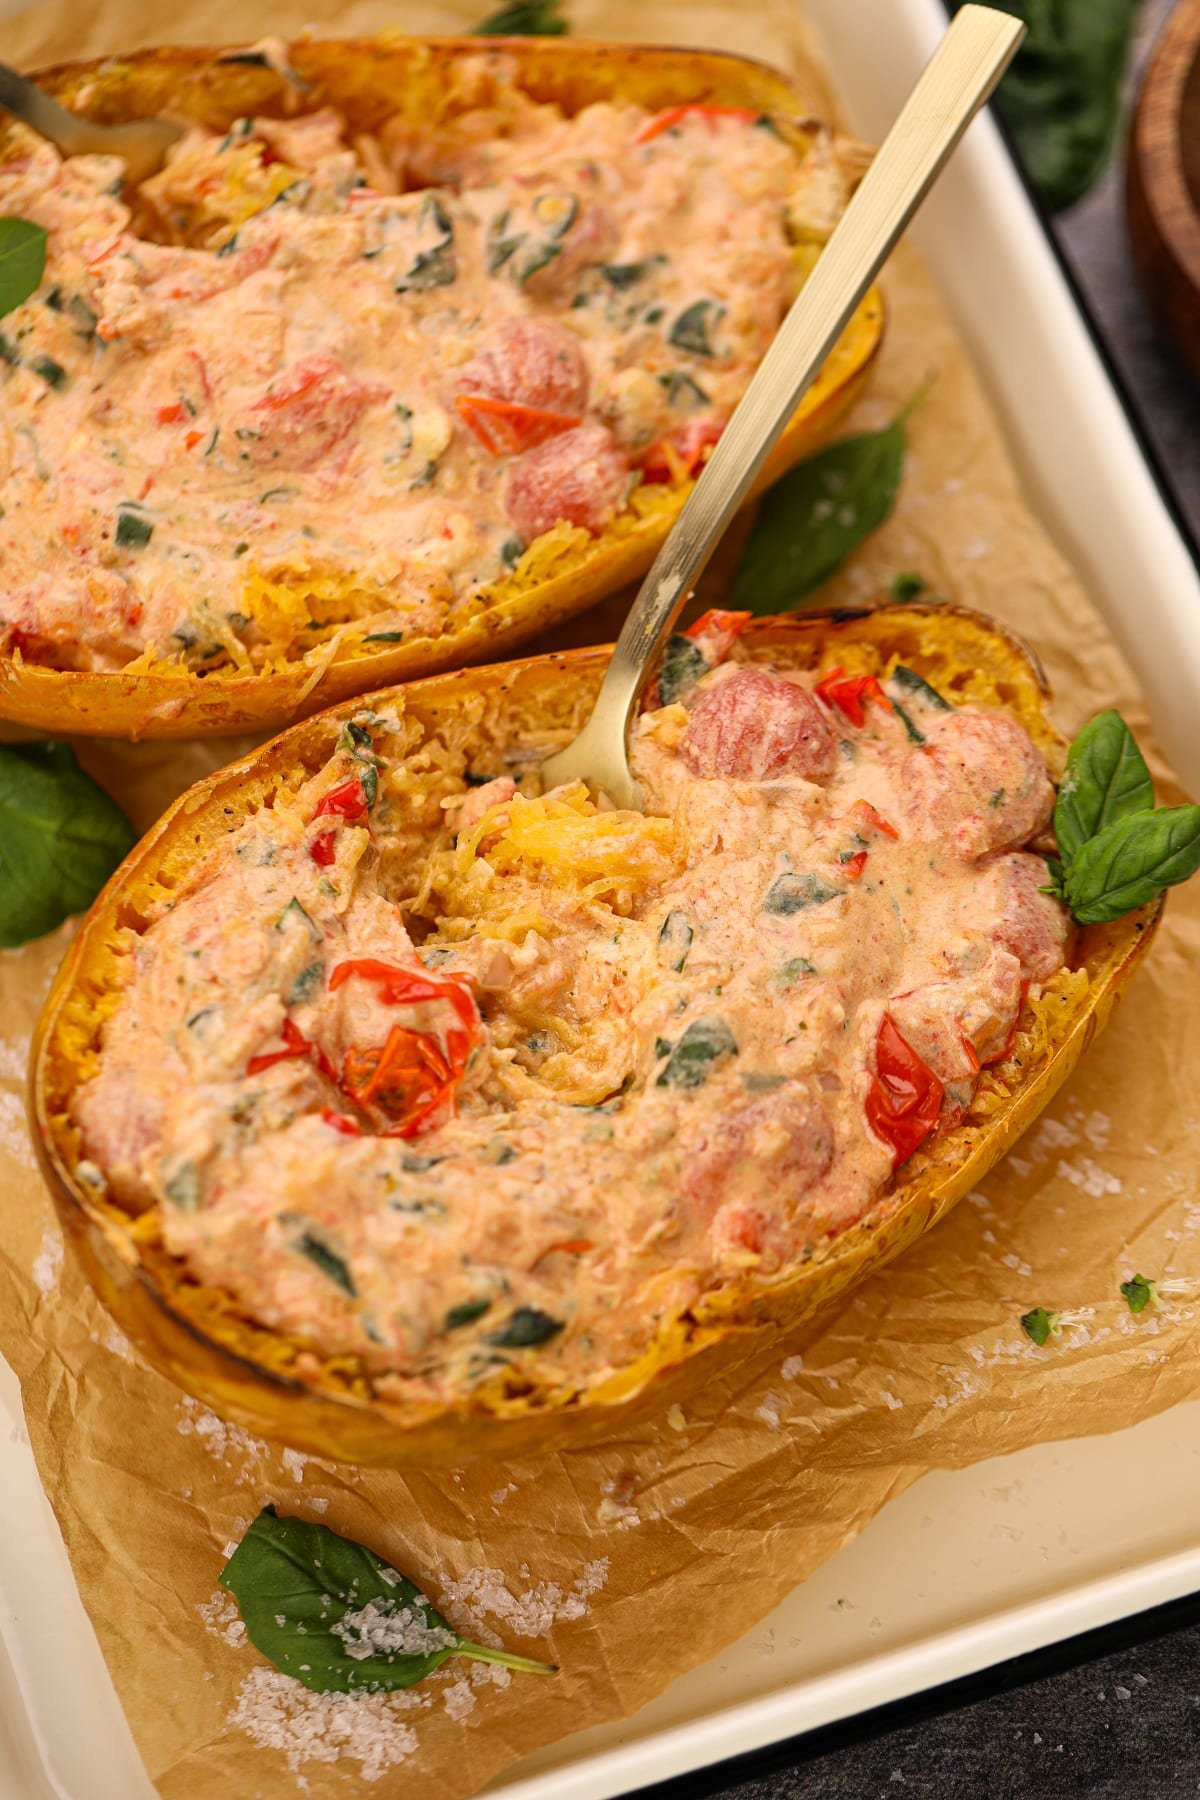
[632,1563]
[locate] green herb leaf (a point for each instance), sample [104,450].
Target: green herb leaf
[816,515]
[383,637]
[61,837]
[682,666]
[1061,98]
[328,1262]
[524,18]
[796,893]
[917,688]
[22,261]
[1138,1293]
[905,586]
[336,1617]
[692,330]
[1039,1325]
[1106,779]
[466,1313]
[704,1042]
[134,529]
[525,1328]
[674,940]
[1130,862]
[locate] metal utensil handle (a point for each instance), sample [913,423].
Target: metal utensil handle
[27,101]
[969,62]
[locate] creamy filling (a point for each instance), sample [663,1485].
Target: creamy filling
[517,1089]
[298,383]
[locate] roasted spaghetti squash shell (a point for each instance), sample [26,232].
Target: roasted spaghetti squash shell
[333,1408]
[422,79]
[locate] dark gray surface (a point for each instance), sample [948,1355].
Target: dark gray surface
[1125,1723]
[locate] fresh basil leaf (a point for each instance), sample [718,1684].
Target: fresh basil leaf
[61,837]
[816,515]
[1130,862]
[336,1617]
[796,893]
[328,1261]
[1061,99]
[917,688]
[466,1313]
[1106,779]
[704,1042]
[524,18]
[525,1328]
[692,330]
[22,261]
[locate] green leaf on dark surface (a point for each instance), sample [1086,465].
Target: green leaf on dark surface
[61,837]
[22,261]
[524,18]
[1061,99]
[336,1617]
[703,1043]
[1130,862]
[816,515]
[1106,779]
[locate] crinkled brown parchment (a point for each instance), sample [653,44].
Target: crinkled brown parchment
[673,1540]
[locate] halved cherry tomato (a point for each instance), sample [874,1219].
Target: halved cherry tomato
[408,1078]
[905,1096]
[678,115]
[506,427]
[681,452]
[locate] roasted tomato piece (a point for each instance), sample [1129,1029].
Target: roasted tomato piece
[306,411]
[531,362]
[1033,925]
[579,476]
[779,1144]
[758,726]
[979,781]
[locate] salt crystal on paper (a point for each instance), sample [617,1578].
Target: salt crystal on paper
[294,1461]
[528,1615]
[380,1628]
[769,1411]
[458,1699]
[1089,1176]
[792,1368]
[891,1401]
[47,1264]
[278,1713]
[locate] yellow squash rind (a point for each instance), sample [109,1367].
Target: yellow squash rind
[334,1409]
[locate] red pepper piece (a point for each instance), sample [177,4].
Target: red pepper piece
[346,801]
[850,693]
[905,1097]
[681,452]
[172,415]
[323,849]
[341,1122]
[408,1079]
[506,427]
[297,1045]
[679,115]
[854,865]
[867,814]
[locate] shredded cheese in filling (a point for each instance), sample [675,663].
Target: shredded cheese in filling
[428,1068]
[296,383]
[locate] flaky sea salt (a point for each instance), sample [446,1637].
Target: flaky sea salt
[218,1436]
[769,1410]
[278,1713]
[482,1591]
[381,1627]
[47,1264]
[1088,1176]
[295,1462]
[792,1368]
[221,1616]
[459,1698]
